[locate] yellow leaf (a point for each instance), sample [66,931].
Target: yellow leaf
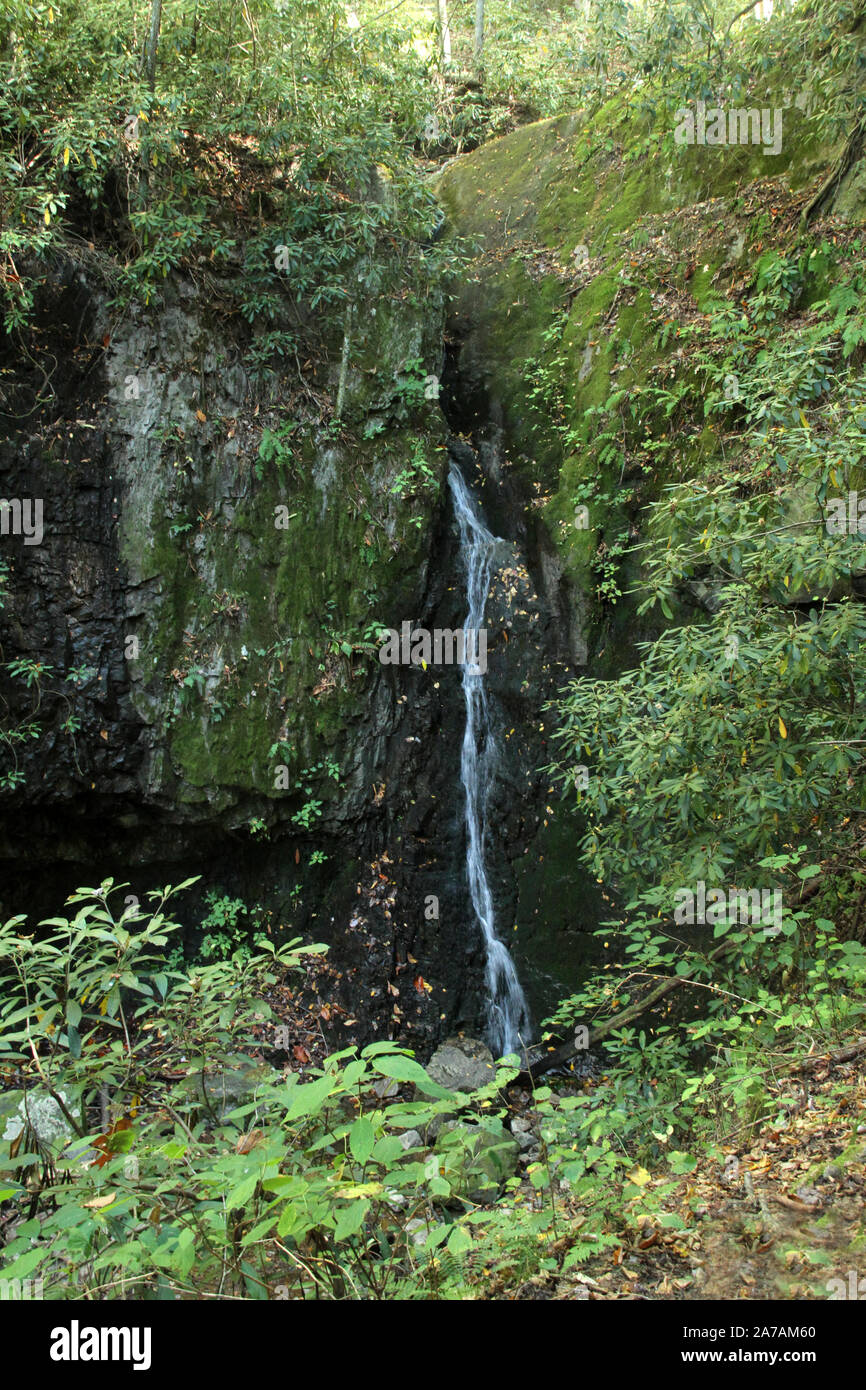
[640,1177]
[200,416]
[66,156]
[96,1202]
[782,730]
[47,218]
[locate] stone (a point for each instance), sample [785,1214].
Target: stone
[416,1229]
[477,1159]
[227,1088]
[810,1195]
[411,1139]
[462,1064]
[46,1118]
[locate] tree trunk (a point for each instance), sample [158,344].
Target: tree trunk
[344,362]
[152,42]
[444,29]
[479,31]
[557,1056]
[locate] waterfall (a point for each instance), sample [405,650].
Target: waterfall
[508,1015]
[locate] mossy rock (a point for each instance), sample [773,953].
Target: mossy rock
[475,1159]
[229,1087]
[47,1121]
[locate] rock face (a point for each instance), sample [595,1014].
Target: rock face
[201,616]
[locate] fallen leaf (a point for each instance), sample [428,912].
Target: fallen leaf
[249,1141]
[103,1141]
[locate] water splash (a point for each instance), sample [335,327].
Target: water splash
[508,1014]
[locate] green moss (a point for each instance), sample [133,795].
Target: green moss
[533,197]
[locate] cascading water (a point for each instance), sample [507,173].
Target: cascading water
[508,1015]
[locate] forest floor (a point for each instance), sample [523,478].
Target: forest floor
[775,1209]
[778,1213]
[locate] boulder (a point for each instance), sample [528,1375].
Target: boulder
[462,1064]
[49,1124]
[475,1159]
[228,1087]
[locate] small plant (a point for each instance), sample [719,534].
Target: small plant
[275,448]
[308,814]
[417,477]
[226,935]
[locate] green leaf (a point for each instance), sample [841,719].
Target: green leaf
[350,1219]
[362,1137]
[308,1099]
[20,1268]
[240,1195]
[405,1069]
[682,1162]
[459,1241]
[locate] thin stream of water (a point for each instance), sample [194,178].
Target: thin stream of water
[508,1014]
